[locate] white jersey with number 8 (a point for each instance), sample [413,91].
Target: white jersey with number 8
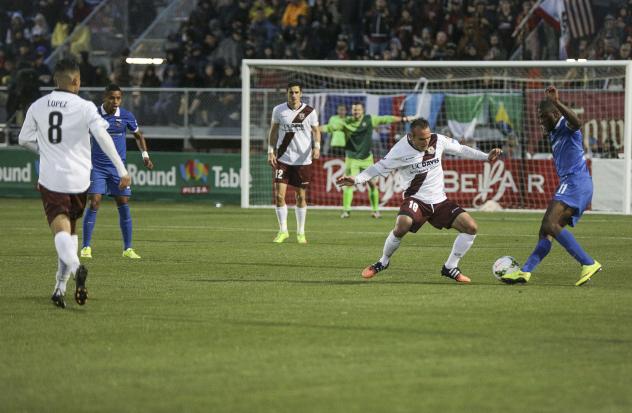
[60,123]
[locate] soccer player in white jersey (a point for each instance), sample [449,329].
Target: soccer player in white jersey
[56,127]
[417,156]
[294,140]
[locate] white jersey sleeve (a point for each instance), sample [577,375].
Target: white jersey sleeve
[453,147]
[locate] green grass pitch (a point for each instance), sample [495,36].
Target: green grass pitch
[216,318]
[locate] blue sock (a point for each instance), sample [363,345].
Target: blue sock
[541,250]
[125,221]
[568,241]
[89,220]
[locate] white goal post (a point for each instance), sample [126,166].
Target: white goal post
[482,104]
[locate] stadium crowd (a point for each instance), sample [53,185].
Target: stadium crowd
[207,49]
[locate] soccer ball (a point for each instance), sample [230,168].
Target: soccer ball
[504,265]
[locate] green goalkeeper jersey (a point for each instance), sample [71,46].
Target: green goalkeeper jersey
[359,133]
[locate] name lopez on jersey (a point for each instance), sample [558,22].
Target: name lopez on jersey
[292,127]
[57,103]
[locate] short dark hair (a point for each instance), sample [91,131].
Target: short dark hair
[112,87]
[420,123]
[293,83]
[547,106]
[357,102]
[66,65]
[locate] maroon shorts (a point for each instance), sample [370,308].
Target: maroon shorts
[440,215]
[295,175]
[56,203]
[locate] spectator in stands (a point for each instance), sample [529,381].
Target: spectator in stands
[505,19]
[87,70]
[471,46]
[17,30]
[190,103]
[341,52]
[230,49]
[610,34]
[439,50]
[377,28]
[229,103]
[293,10]
[40,26]
[44,74]
[496,50]
[149,78]
[60,32]
[167,104]
[80,11]
[262,30]
[120,70]
[431,15]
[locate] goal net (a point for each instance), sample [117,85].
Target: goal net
[481,104]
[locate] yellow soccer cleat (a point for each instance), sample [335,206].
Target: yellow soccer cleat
[281,236]
[587,272]
[300,238]
[130,253]
[516,277]
[86,252]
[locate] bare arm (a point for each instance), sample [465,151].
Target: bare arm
[571,117]
[273,136]
[316,135]
[142,147]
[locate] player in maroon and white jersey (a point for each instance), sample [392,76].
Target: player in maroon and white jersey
[294,140]
[417,157]
[58,127]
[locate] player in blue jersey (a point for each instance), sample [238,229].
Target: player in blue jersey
[573,194]
[104,179]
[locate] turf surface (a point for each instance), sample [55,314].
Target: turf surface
[215,317]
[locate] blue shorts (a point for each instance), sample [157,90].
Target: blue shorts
[576,192]
[106,181]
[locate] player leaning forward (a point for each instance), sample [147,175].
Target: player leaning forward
[57,126]
[290,154]
[417,157]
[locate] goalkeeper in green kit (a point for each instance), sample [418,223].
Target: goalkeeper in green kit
[358,130]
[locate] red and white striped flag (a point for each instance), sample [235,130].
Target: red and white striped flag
[580,17]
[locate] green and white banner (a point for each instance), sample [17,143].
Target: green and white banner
[464,112]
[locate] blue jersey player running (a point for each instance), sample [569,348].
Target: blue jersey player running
[104,178]
[573,194]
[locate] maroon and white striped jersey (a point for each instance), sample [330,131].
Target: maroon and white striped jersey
[294,143]
[421,171]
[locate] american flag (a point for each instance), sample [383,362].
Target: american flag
[580,17]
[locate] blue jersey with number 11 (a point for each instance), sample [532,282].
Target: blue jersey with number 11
[119,123]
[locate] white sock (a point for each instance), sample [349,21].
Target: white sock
[462,244]
[75,240]
[301,213]
[67,250]
[390,246]
[281,213]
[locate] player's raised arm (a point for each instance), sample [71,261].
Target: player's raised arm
[142,147]
[572,119]
[273,136]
